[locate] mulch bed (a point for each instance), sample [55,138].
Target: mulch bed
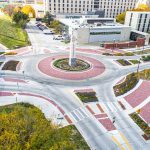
[10,65]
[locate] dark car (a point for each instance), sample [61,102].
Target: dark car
[42,27]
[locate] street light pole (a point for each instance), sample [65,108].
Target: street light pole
[138,66]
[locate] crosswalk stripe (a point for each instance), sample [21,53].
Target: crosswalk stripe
[118,143]
[83,111]
[75,116]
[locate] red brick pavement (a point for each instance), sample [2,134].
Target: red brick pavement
[107,124]
[145,113]
[45,66]
[14,80]
[139,95]
[2,93]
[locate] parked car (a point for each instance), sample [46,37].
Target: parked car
[47,31]
[42,27]
[58,37]
[38,24]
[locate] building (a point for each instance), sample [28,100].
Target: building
[111,7]
[90,30]
[70,6]
[138,20]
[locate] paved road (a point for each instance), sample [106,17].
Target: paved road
[57,90]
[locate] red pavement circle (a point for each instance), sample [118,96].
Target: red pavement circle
[46,67]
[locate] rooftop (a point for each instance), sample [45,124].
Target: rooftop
[76,23]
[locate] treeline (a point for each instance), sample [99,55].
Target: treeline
[20,15]
[142,7]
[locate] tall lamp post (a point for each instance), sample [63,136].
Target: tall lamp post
[138,66]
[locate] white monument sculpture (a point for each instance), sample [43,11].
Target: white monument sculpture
[72,57]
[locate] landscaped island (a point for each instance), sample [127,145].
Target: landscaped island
[131,81]
[64,65]
[24,127]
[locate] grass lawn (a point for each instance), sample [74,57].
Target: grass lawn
[142,52]
[87,97]
[12,36]
[134,61]
[10,65]
[23,126]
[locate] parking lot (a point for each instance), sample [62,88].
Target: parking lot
[43,41]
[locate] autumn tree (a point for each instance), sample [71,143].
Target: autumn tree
[24,127]
[121,17]
[9,9]
[28,10]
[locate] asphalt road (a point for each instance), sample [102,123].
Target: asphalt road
[57,90]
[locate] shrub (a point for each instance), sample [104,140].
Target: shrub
[107,54]
[146,58]
[118,54]
[87,96]
[129,54]
[10,53]
[134,61]
[129,83]
[143,125]
[124,62]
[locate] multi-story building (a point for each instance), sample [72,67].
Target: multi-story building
[138,20]
[111,7]
[70,6]
[114,7]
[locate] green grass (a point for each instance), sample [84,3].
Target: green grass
[142,52]
[12,36]
[23,126]
[87,97]
[134,61]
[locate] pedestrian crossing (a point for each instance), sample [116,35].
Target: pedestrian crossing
[78,114]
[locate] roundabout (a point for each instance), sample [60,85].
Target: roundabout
[55,67]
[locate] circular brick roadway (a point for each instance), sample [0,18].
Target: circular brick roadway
[46,67]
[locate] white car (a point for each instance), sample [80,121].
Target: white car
[58,37]
[47,31]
